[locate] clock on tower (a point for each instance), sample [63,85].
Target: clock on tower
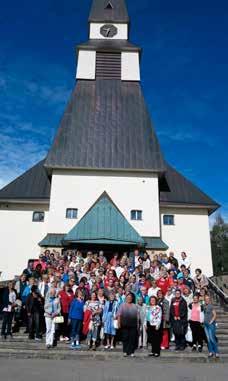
[108,30]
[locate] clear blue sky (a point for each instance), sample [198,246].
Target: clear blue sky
[184,71]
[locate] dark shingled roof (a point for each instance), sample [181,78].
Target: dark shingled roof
[106,125]
[34,184]
[176,189]
[109,45]
[100,12]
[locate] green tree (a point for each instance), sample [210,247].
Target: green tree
[219,244]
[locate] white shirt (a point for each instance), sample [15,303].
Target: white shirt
[153,291]
[119,271]
[12,299]
[137,260]
[146,264]
[73,265]
[186,262]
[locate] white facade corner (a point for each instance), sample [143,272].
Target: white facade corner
[20,237]
[191,234]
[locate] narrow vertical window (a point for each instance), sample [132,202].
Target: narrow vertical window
[71,213]
[168,219]
[38,217]
[136,215]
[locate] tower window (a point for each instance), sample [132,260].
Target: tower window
[109,5]
[136,215]
[38,217]
[108,65]
[168,219]
[72,213]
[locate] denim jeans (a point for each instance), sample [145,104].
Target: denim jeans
[7,323]
[34,325]
[76,329]
[210,330]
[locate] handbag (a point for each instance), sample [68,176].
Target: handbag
[102,335]
[188,336]
[59,320]
[116,324]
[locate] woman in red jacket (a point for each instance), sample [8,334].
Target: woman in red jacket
[66,296]
[163,282]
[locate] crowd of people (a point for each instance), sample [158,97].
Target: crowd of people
[141,300]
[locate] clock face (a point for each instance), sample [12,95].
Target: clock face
[108,31]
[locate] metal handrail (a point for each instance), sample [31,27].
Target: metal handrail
[218,291]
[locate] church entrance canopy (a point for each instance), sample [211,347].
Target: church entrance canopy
[103,227]
[104,224]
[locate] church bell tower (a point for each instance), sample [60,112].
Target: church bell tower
[108,53]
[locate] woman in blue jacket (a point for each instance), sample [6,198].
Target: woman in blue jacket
[76,315]
[109,315]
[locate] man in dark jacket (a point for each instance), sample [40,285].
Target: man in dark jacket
[179,320]
[34,308]
[8,304]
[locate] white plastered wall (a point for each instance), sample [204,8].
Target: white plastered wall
[191,234]
[122,31]
[86,64]
[19,237]
[80,189]
[130,70]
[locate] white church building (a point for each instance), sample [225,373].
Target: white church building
[105,182]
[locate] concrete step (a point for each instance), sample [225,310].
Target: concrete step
[16,343]
[40,346]
[56,354]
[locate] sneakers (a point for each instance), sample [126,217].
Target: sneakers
[73,346]
[61,339]
[37,339]
[200,348]
[132,355]
[94,347]
[125,354]
[111,347]
[107,347]
[194,348]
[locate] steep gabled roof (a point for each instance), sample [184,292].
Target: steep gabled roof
[109,11]
[34,184]
[104,223]
[176,189]
[106,125]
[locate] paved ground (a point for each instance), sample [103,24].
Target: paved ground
[116,370]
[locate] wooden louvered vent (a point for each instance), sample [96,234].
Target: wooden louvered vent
[108,65]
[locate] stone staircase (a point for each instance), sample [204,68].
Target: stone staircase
[21,348]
